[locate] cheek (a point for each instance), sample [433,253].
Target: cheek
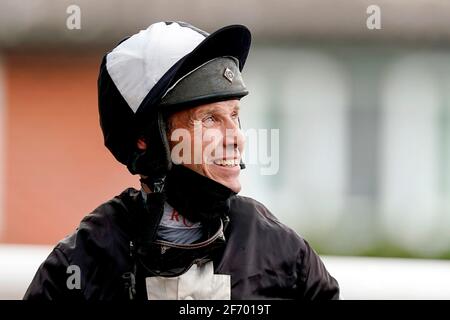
[241,140]
[212,144]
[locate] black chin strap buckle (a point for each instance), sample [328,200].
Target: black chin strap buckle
[156,186]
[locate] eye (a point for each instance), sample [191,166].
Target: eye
[208,120]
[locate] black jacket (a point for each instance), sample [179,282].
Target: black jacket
[266,259]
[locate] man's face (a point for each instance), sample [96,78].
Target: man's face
[220,140]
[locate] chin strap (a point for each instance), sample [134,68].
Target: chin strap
[148,219]
[151,217]
[241,164]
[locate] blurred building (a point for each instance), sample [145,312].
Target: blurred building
[363,116]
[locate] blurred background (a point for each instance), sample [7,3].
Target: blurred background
[363,117]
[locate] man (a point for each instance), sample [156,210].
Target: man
[169,110]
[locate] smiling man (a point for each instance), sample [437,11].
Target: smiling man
[169,99]
[215,129]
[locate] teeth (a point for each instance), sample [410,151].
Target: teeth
[227,163]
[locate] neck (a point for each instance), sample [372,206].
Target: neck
[195,196]
[144,186]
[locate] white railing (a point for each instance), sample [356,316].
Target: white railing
[387,278]
[18,264]
[359,278]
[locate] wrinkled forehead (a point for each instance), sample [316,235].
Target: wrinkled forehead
[219,107]
[186,116]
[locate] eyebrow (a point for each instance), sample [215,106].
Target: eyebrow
[215,109]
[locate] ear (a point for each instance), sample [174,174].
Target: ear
[141,144]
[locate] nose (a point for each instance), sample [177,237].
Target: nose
[234,138]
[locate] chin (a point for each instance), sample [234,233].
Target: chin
[227,176]
[235,186]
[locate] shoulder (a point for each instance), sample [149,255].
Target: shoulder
[251,208]
[103,231]
[279,247]
[98,249]
[252,217]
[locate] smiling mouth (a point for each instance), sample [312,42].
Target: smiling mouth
[227,163]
